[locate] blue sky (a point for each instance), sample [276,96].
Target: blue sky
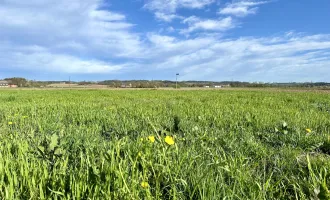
[245,40]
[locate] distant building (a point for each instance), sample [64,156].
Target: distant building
[7,84]
[4,84]
[221,86]
[126,86]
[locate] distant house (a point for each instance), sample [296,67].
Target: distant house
[126,86]
[7,84]
[4,84]
[221,86]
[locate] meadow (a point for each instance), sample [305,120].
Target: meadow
[157,144]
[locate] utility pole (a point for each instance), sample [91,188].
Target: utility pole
[69,81]
[176,81]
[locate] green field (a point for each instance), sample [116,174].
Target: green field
[102,144]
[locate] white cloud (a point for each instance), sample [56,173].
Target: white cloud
[166,17]
[170,6]
[298,58]
[196,23]
[191,19]
[36,58]
[69,30]
[165,9]
[170,29]
[241,8]
[163,47]
[106,15]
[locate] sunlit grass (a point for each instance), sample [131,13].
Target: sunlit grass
[153,144]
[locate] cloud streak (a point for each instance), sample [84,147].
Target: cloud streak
[170,6]
[196,24]
[165,9]
[241,8]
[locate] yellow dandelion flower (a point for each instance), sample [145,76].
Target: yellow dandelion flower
[308,130]
[144,184]
[169,140]
[140,154]
[10,123]
[152,139]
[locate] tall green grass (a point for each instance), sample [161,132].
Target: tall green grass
[93,144]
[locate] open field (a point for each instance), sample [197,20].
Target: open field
[164,144]
[77,86]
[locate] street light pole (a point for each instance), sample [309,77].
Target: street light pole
[176,82]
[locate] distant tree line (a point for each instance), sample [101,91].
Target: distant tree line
[166,83]
[22,82]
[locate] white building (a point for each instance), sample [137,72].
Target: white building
[4,84]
